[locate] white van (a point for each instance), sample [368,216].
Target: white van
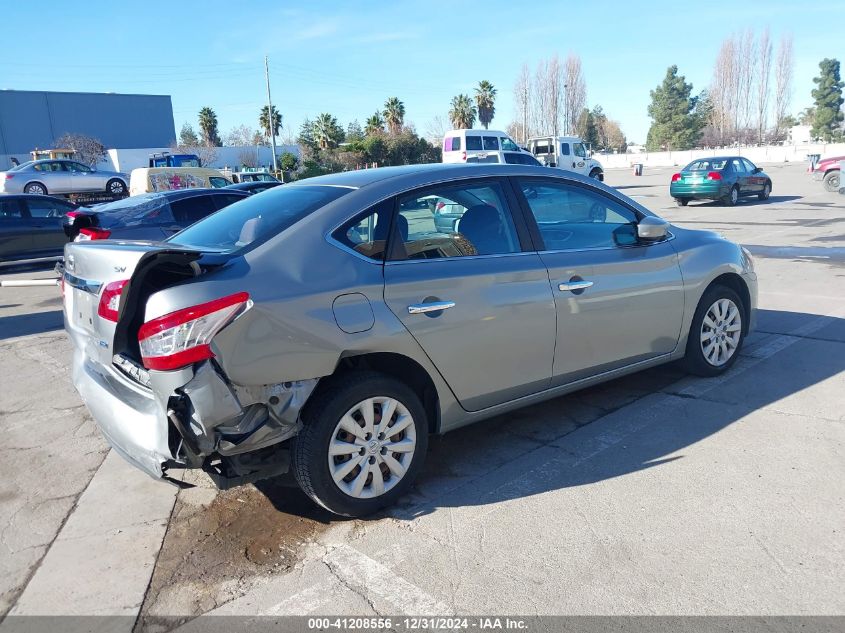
[566,152]
[482,146]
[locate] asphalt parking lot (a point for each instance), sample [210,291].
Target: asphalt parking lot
[654,494]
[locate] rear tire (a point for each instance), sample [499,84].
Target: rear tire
[385,465]
[831,181]
[682,202]
[714,342]
[35,188]
[732,198]
[767,191]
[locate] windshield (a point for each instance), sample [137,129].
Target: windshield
[257,218]
[712,164]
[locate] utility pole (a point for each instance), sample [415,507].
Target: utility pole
[565,110]
[270,118]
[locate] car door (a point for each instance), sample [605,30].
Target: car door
[54,176]
[83,178]
[579,158]
[15,233]
[477,298]
[743,177]
[619,301]
[45,221]
[564,158]
[756,179]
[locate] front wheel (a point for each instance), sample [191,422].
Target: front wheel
[732,198]
[362,444]
[597,175]
[716,334]
[767,191]
[831,181]
[115,187]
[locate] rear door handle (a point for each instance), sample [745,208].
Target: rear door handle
[434,306]
[575,285]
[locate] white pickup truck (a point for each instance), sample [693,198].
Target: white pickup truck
[566,152]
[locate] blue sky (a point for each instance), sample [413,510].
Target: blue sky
[348,57]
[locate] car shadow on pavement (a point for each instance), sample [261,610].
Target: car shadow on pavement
[16,325]
[534,450]
[749,200]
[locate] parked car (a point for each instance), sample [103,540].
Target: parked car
[331,326]
[61,177]
[827,170]
[31,227]
[253,187]
[477,146]
[566,152]
[149,216]
[253,176]
[724,178]
[150,179]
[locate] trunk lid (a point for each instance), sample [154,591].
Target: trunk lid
[89,269]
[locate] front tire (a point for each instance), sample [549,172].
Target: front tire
[831,181]
[348,458]
[35,188]
[717,332]
[597,174]
[767,191]
[116,187]
[732,198]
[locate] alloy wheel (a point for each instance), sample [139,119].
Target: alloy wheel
[734,195]
[371,447]
[721,329]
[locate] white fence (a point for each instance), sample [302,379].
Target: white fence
[765,154]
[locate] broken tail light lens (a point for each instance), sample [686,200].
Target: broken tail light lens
[92,234]
[183,337]
[110,300]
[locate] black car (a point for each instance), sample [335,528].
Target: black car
[149,216]
[31,227]
[256,186]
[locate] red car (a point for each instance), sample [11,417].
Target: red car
[827,170]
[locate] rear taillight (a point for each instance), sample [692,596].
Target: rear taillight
[92,234]
[9,176]
[72,215]
[714,175]
[463,156]
[183,337]
[440,206]
[676,177]
[110,300]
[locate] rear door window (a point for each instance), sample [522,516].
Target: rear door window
[474,143]
[452,144]
[491,142]
[189,210]
[45,209]
[367,233]
[737,165]
[224,200]
[10,209]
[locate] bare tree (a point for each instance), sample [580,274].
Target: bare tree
[539,103]
[746,65]
[522,99]
[764,72]
[575,97]
[88,150]
[242,135]
[554,83]
[436,129]
[248,157]
[783,84]
[205,153]
[722,92]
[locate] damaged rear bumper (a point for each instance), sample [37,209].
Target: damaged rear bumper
[192,418]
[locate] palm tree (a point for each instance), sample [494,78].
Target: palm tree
[394,114]
[374,125]
[485,96]
[327,132]
[208,127]
[462,115]
[264,123]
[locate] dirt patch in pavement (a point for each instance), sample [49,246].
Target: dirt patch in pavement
[219,544]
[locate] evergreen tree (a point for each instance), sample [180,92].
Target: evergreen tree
[827,120]
[354,133]
[485,100]
[188,137]
[208,128]
[675,124]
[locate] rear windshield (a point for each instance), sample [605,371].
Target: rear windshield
[148,208]
[257,218]
[22,166]
[707,165]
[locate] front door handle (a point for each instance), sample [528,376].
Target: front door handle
[434,306]
[580,284]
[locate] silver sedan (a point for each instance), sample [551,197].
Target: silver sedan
[61,177]
[331,325]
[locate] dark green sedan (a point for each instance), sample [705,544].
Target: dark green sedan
[726,178]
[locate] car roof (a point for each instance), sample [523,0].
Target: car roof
[252,184]
[178,194]
[413,174]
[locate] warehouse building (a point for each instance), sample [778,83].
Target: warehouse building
[34,119]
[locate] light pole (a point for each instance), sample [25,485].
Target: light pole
[565,111]
[271,128]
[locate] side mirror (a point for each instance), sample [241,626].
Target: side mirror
[652,229]
[757,170]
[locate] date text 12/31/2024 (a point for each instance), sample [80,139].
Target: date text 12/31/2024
[416,623]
